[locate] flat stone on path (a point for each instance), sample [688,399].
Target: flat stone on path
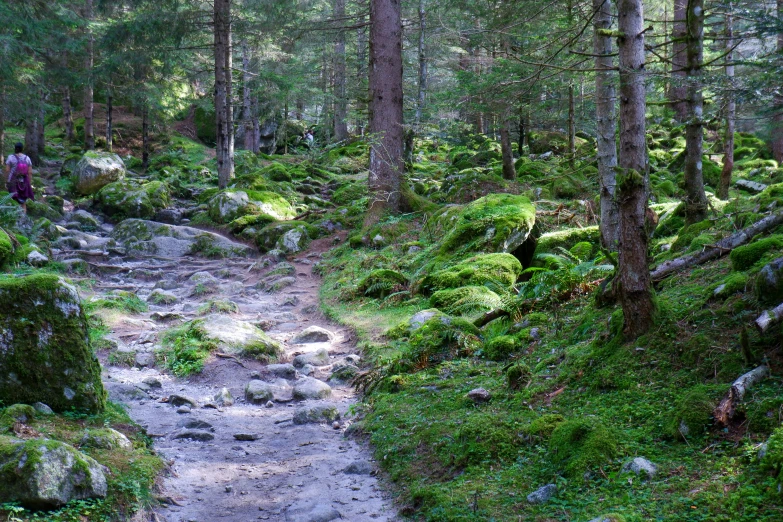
[313,334]
[358,467]
[315,414]
[309,388]
[201,436]
[258,392]
[319,357]
[286,371]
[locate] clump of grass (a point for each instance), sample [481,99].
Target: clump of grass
[185,349]
[219,307]
[119,300]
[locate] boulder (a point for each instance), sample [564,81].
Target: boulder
[224,398]
[479,395]
[318,358]
[240,338]
[313,334]
[286,371]
[44,346]
[344,373]
[641,466]
[227,206]
[258,392]
[542,494]
[46,474]
[96,170]
[106,438]
[499,269]
[316,414]
[309,388]
[139,237]
[769,282]
[132,199]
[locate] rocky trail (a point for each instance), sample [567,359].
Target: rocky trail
[244,440]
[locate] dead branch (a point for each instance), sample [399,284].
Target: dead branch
[725,410]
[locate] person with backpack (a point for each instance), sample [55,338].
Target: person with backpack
[19,183]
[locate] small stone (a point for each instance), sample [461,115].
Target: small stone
[270,404]
[358,467]
[145,359]
[255,375]
[247,436]
[194,424]
[542,494]
[535,334]
[307,370]
[229,488]
[313,334]
[763,449]
[183,409]
[35,258]
[198,435]
[152,382]
[336,425]
[224,397]
[479,395]
[42,408]
[179,400]
[641,466]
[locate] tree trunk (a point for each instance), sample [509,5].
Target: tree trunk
[725,411]
[522,132]
[731,111]
[677,91]
[2,125]
[89,107]
[361,75]
[422,63]
[606,123]
[386,162]
[635,290]
[224,149]
[109,117]
[40,130]
[509,172]
[31,135]
[571,126]
[777,127]
[256,145]
[247,113]
[145,137]
[695,198]
[340,98]
[68,115]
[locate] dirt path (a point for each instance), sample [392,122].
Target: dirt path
[244,461]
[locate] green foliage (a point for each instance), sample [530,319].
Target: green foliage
[220,306]
[689,233]
[500,269]
[579,445]
[185,349]
[381,283]
[745,256]
[119,300]
[692,413]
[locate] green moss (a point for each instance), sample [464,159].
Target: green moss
[220,306]
[186,348]
[541,428]
[764,416]
[482,438]
[252,220]
[501,269]
[578,445]
[381,283]
[130,199]
[687,234]
[272,204]
[6,249]
[518,375]
[466,300]
[771,194]
[582,250]
[38,209]
[773,460]
[439,339]
[567,238]
[499,348]
[692,413]
[732,284]
[744,257]
[491,224]
[16,413]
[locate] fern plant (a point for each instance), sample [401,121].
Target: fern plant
[9,212]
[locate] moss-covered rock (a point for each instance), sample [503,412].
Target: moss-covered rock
[142,237]
[732,284]
[578,445]
[687,234]
[381,283]
[567,238]
[692,413]
[44,349]
[131,199]
[500,347]
[96,170]
[40,209]
[769,282]
[465,300]
[6,249]
[745,256]
[45,474]
[437,339]
[105,438]
[240,338]
[227,206]
[500,269]
[23,413]
[494,223]
[288,236]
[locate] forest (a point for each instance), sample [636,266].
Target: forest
[310,260]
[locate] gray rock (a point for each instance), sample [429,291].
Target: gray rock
[286,371]
[344,373]
[311,511]
[247,436]
[48,474]
[240,338]
[641,466]
[166,317]
[152,382]
[309,388]
[106,438]
[419,318]
[160,296]
[121,392]
[35,258]
[145,359]
[358,467]
[763,450]
[535,334]
[270,404]
[224,398]
[184,409]
[96,170]
[307,370]
[319,357]
[316,414]
[479,395]
[542,494]
[42,408]
[313,334]
[199,435]
[293,241]
[258,392]
[182,400]
[194,424]
[276,283]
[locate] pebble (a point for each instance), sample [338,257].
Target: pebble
[183,409]
[270,404]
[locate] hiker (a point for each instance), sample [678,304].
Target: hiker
[19,169]
[309,137]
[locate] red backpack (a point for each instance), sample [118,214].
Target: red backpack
[22,168]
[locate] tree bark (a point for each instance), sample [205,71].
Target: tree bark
[145,137]
[31,136]
[422,62]
[695,198]
[256,146]
[40,141]
[777,127]
[677,91]
[606,123]
[769,318]
[109,116]
[2,124]
[717,250]
[571,126]
[68,114]
[731,111]
[340,98]
[635,293]
[361,75]
[522,132]
[386,152]
[727,407]
[247,114]
[224,149]
[89,107]
[509,172]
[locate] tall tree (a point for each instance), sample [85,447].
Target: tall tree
[731,109]
[635,289]
[422,86]
[606,122]
[777,127]
[695,198]
[340,100]
[89,105]
[507,153]
[386,150]
[677,90]
[224,149]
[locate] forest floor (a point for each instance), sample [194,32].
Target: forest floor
[291,472]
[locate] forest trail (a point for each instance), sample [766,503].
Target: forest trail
[243,461]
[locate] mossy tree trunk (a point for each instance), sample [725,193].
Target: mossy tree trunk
[223,115]
[340,99]
[509,172]
[635,289]
[145,137]
[67,114]
[731,111]
[422,62]
[386,151]
[677,90]
[247,114]
[606,122]
[777,141]
[571,126]
[89,106]
[109,115]
[695,198]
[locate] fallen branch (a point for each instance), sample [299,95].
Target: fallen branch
[769,318]
[725,410]
[490,316]
[718,249]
